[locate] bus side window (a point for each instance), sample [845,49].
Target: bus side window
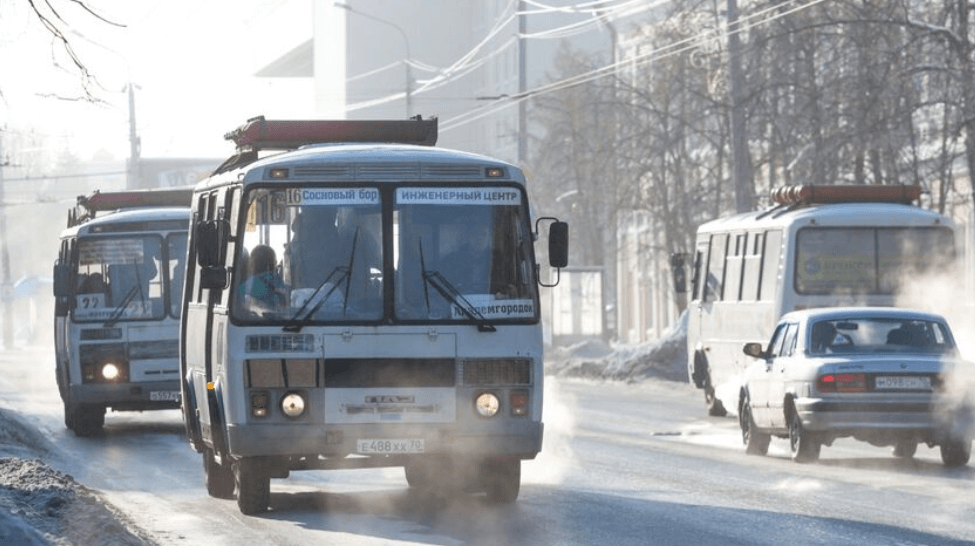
[770,265]
[733,267]
[696,275]
[752,273]
[714,278]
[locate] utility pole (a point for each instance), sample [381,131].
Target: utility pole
[522,85]
[6,290]
[135,145]
[740,157]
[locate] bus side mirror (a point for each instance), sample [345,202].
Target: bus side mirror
[210,239]
[213,277]
[677,261]
[558,244]
[62,281]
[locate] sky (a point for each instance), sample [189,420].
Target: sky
[190,62]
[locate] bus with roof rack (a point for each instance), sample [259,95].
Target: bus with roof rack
[817,246]
[118,281]
[359,298]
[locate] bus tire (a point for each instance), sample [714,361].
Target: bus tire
[956,452]
[715,407]
[253,485]
[88,420]
[501,478]
[219,478]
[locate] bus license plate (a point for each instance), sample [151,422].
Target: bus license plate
[411,445]
[164,396]
[903,383]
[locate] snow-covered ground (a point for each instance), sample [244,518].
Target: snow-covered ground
[40,506]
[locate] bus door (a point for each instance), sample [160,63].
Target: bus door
[710,289]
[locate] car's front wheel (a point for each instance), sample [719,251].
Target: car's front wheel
[803,444]
[756,442]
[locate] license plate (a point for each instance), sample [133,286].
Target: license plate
[164,396]
[411,445]
[903,383]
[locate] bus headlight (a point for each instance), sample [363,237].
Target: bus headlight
[293,405]
[487,404]
[111,372]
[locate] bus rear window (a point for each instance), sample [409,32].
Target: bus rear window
[867,260]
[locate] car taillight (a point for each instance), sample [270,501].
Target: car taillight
[842,382]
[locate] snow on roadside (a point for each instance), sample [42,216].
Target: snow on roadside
[40,506]
[665,358]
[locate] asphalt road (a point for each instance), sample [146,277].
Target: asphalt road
[622,464]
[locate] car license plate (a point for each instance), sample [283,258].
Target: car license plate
[903,383]
[400,445]
[164,396]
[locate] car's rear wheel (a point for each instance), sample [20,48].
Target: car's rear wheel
[905,449]
[756,442]
[803,444]
[955,452]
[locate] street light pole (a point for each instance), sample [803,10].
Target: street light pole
[409,57]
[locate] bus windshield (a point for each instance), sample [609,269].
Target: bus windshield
[868,260]
[315,254]
[462,254]
[120,278]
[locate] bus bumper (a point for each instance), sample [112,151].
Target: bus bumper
[149,395]
[521,439]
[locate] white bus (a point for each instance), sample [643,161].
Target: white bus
[118,280]
[362,299]
[821,246]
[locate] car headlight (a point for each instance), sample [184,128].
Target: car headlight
[487,404]
[111,372]
[293,405]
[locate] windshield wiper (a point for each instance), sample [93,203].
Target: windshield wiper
[451,294]
[344,274]
[120,308]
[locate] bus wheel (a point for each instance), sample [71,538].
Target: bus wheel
[905,449]
[253,485]
[69,416]
[88,420]
[219,478]
[501,479]
[956,452]
[756,443]
[417,473]
[715,407]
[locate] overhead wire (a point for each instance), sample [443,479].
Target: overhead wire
[678,47]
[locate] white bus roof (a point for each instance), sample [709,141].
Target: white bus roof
[372,162]
[131,216]
[831,214]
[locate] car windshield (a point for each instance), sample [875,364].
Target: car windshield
[879,335]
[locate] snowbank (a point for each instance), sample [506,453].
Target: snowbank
[665,358]
[40,506]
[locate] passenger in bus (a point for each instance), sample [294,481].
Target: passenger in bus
[264,286]
[468,267]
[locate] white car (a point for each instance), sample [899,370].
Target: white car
[887,376]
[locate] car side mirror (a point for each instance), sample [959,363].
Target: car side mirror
[755,350]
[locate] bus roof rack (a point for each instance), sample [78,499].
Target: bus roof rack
[89,206]
[810,193]
[264,134]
